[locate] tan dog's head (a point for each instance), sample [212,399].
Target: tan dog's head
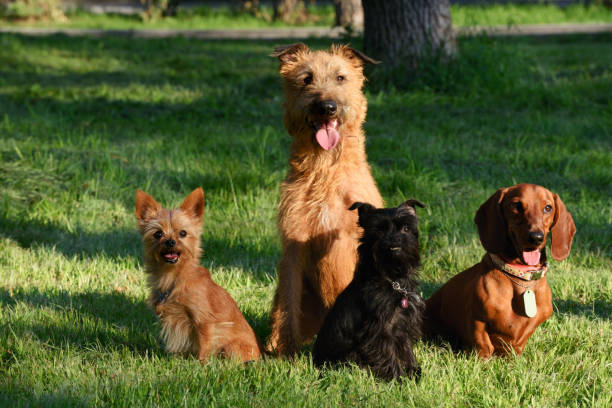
[515,221]
[323,97]
[170,237]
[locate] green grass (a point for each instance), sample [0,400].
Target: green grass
[85,122]
[226,17]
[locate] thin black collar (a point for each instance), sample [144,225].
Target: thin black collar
[161,297]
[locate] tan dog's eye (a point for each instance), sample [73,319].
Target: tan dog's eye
[340,78]
[308,79]
[158,234]
[183,233]
[548,208]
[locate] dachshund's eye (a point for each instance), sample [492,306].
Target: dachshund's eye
[183,233]
[517,206]
[308,79]
[548,208]
[158,234]
[340,78]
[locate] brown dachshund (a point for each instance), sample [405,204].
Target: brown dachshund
[497,304]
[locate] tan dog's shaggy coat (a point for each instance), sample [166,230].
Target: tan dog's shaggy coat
[324,110]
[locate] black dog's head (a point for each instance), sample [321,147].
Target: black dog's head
[390,237]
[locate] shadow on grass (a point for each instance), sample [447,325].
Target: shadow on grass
[83,320]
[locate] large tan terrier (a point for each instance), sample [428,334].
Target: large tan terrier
[324,110]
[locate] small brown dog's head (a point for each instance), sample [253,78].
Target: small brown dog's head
[323,98]
[515,221]
[170,237]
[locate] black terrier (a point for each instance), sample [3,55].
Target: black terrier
[378,317]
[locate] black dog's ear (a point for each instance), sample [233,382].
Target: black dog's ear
[362,208]
[409,205]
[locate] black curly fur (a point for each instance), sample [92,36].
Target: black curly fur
[368,325]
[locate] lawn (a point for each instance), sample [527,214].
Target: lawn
[85,122]
[323,16]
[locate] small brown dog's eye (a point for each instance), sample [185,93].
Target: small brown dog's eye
[183,233]
[157,235]
[308,80]
[517,206]
[548,209]
[340,78]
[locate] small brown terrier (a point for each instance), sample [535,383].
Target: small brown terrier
[496,305]
[197,316]
[324,110]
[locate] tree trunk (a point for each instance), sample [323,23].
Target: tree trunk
[171,9]
[400,32]
[284,9]
[349,14]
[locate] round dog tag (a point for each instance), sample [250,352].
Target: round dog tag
[529,302]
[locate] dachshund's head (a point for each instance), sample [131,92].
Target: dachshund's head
[515,221]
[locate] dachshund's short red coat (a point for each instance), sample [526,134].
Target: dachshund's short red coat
[481,307]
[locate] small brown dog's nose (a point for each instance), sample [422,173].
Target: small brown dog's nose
[170,243]
[327,107]
[536,237]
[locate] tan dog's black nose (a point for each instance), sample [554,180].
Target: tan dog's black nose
[536,237]
[170,243]
[327,107]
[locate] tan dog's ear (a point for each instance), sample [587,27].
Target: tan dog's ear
[562,231]
[357,57]
[146,206]
[194,203]
[287,53]
[491,224]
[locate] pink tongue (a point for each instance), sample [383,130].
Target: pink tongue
[531,257]
[170,256]
[327,135]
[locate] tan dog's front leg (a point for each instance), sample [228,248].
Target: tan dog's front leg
[285,338]
[481,340]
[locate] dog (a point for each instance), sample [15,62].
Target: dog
[378,317]
[324,110]
[496,305]
[197,316]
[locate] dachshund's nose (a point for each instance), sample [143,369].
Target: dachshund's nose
[170,243]
[536,237]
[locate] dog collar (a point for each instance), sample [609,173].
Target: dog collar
[398,288]
[163,296]
[520,271]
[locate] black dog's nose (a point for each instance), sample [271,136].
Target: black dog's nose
[536,237]
[170,243]
[327,107]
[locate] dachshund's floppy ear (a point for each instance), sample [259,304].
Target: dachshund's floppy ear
[562,231]
[491,224]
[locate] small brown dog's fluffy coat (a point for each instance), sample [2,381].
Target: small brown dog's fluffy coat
[197,316]
[324,110]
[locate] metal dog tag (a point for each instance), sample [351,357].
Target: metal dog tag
[529,302]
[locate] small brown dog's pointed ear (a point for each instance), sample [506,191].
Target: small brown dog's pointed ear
[194,203]
[357,57]
[146,206]
[287,53]
[492,228]
[411,205]
[562,231]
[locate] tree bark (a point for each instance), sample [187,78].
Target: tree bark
[400,32]
[349,14]
[283,9]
